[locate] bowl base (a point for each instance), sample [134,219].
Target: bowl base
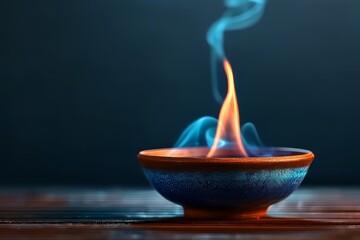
[223,213]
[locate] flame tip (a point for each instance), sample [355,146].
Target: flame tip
[228,127]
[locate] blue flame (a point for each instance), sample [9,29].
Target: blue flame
[240,14]
[201,133]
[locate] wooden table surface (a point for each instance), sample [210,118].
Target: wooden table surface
[55,213]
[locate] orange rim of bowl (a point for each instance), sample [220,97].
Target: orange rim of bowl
[194,159]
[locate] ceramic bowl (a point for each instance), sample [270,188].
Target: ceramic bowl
[226,187]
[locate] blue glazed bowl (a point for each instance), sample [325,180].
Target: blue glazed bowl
[224,188]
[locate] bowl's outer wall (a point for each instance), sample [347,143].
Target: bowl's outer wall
[240,189]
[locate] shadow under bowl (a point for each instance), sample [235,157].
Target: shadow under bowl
[226,187]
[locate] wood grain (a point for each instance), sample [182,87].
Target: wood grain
[54,213]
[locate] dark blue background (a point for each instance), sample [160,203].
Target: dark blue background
[85,85]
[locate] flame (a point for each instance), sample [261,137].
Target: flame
[228,127]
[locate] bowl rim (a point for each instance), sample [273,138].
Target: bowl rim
[184,159]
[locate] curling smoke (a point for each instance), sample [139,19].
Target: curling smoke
[240,14]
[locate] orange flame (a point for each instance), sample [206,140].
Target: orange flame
[228,127]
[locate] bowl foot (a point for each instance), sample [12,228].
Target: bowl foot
[223,213]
